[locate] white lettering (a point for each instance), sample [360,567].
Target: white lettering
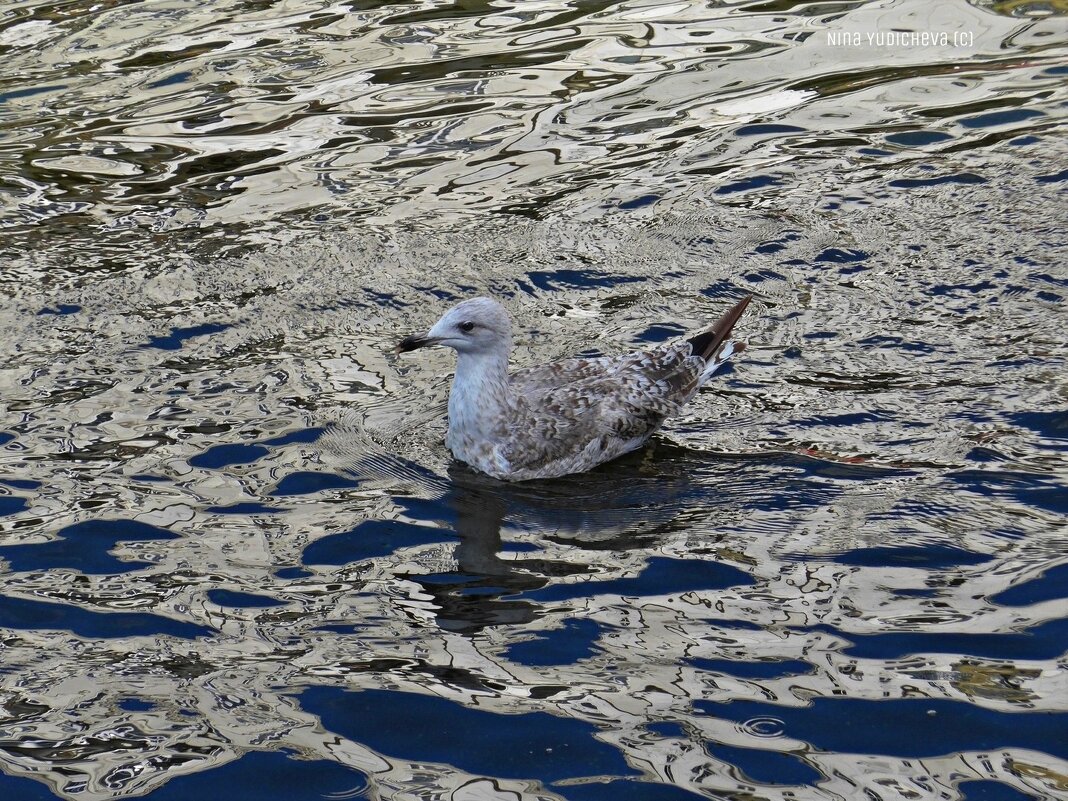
[843,38]
[900,38]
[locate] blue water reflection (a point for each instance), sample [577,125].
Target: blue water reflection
[30,615]
[530,745]
[286,773]
[84,547]
[913,727]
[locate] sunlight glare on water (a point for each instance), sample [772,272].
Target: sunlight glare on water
[236,560]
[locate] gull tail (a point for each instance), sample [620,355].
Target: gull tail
[712,345]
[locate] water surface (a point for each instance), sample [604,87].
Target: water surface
[235,559]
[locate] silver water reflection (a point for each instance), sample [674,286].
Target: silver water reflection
[260,417]
[184,125]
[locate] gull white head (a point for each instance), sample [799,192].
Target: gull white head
[475,326]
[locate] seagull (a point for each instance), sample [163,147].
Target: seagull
[566,416]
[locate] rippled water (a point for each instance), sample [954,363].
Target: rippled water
[235,560]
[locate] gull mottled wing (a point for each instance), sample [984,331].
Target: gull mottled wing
[612,406]
[538,380]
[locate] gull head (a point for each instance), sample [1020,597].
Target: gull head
[475,326]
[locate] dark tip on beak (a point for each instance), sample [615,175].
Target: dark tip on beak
[413,343]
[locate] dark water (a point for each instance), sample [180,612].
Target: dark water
[235,560]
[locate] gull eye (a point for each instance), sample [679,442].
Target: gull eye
[467,327]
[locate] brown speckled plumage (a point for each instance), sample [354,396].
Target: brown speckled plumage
[566,416]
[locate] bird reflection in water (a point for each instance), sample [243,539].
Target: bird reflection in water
[618,509]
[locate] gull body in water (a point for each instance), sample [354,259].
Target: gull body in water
[566,416]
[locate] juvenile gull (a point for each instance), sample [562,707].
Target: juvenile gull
[566,416]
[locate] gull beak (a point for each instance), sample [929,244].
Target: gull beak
[415,342]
